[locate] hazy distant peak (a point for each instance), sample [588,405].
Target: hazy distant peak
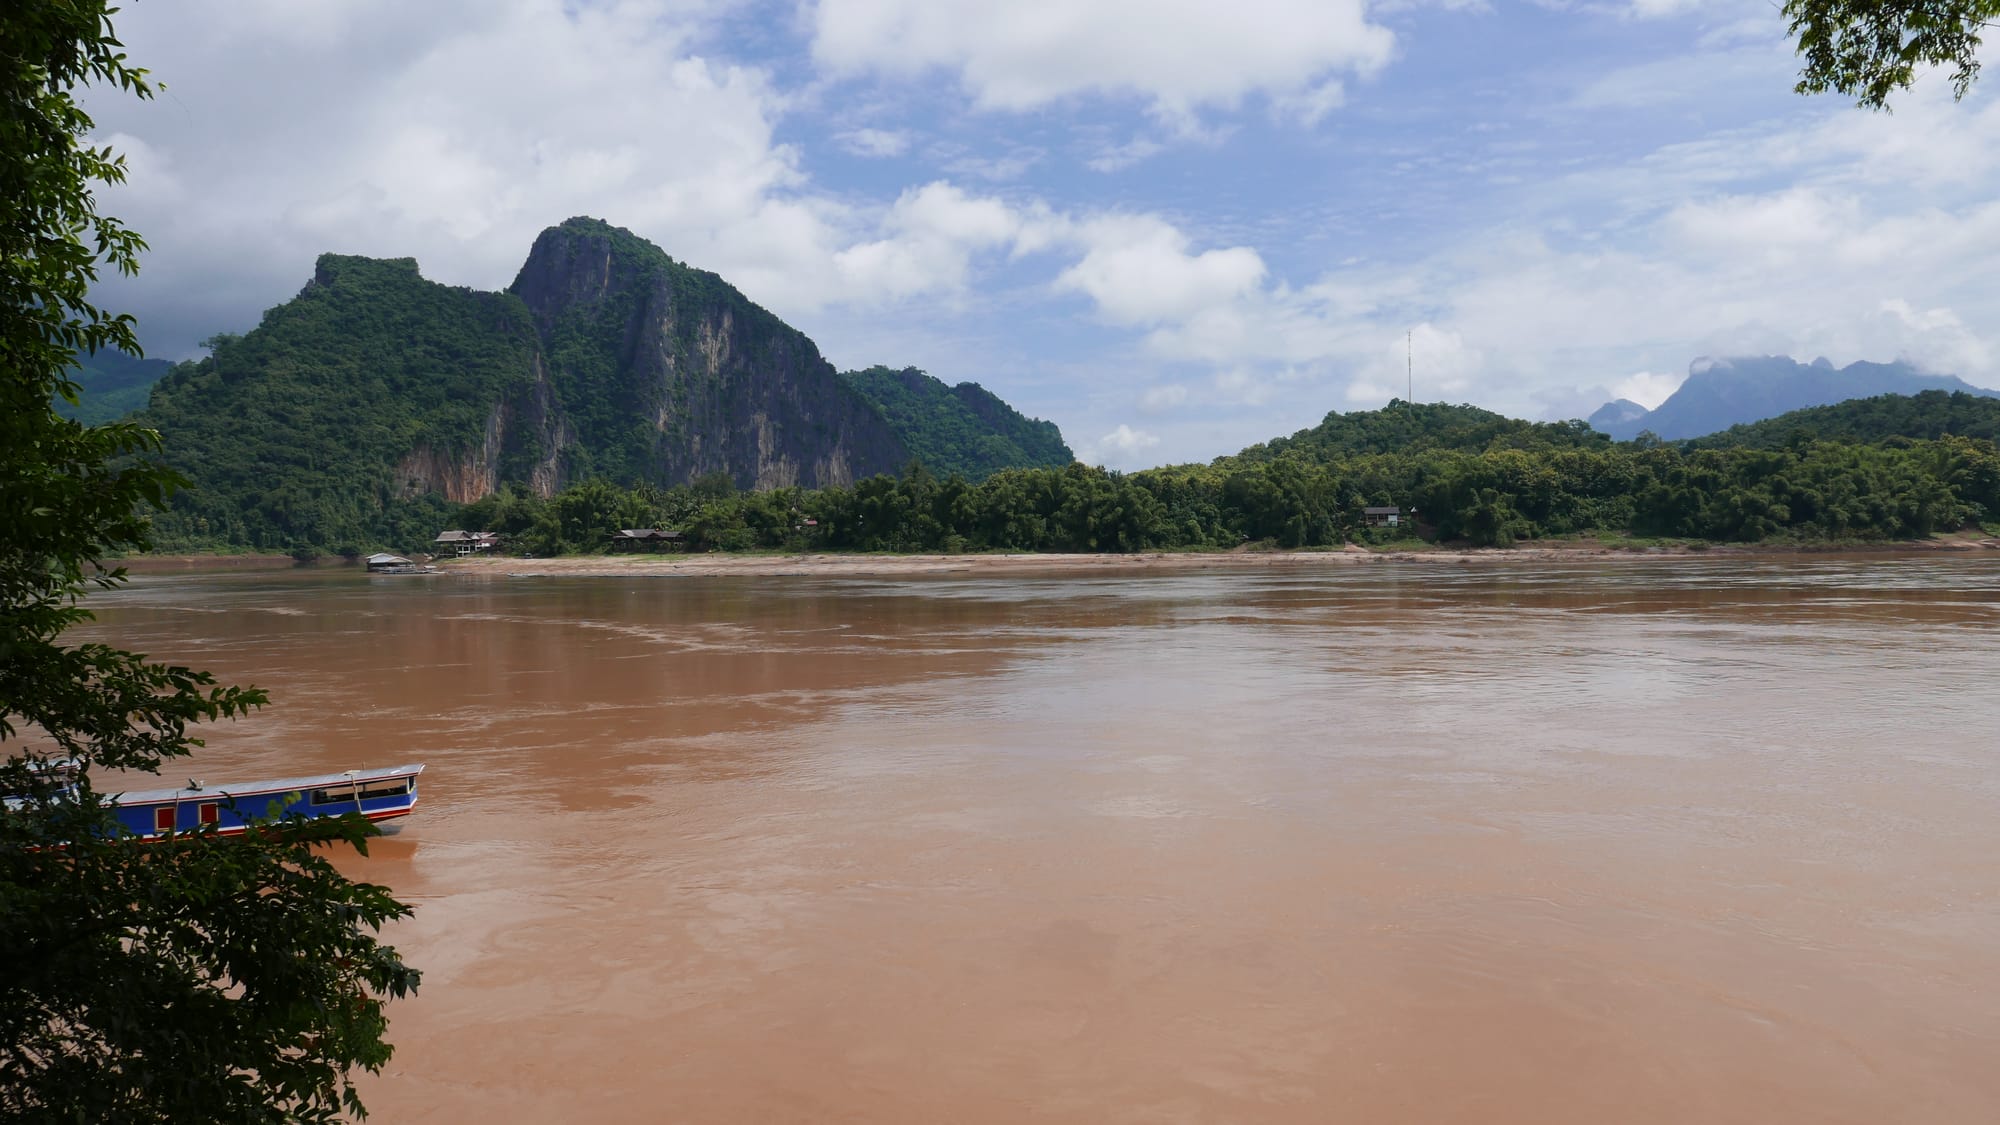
[1615,413]
[1725,391]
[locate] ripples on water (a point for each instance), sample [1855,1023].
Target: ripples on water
[1708,840]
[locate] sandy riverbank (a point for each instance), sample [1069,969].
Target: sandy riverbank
[703,565]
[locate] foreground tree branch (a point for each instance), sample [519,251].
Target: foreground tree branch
[199,979]
[1870,49]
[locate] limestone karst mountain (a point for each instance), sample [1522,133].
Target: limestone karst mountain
[362,408]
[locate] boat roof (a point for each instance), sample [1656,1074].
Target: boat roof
[280,785]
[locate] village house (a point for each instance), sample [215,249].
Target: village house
[460,544]
[644,539]
[1384,516]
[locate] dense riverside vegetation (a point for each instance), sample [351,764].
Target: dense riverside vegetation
[1471,477]
[962,431]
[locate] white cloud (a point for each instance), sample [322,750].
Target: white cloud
[1426,362]
[1647,388]
[1310,104]
[875,142]
[1178,55]
[448,131]
[1386,7]
[1660,9]
[1119,157]
[1244,386]
[931,235]
[1123,447]
[1937,340]
[1930,141]
[1740,63]
[1162,398]
[1768,230]
[1012,166]
[1138,270]
[1711,11]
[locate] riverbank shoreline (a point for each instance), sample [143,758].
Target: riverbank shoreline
[198,563]
[874,565]
[864,564]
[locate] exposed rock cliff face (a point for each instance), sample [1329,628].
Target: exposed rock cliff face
[549,432]
[719,384]
[462,477]
[523,443]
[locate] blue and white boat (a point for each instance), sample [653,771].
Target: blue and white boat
[378,795]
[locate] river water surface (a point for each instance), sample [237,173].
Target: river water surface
[1707,841]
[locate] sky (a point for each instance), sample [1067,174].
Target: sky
[1174,228]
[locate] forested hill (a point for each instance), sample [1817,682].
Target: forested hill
[1926,415]
[113,385]
[354,413]
[359,412]
[963,430]
[1403,427]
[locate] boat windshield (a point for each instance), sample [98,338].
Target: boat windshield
[368,791]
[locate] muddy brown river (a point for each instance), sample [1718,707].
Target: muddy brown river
[1695,841]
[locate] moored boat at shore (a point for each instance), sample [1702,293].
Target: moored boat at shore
[378,795]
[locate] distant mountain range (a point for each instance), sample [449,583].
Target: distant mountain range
[1720,393]
[361,409]
[114,384]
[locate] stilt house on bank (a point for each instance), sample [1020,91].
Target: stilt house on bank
[1386,516]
